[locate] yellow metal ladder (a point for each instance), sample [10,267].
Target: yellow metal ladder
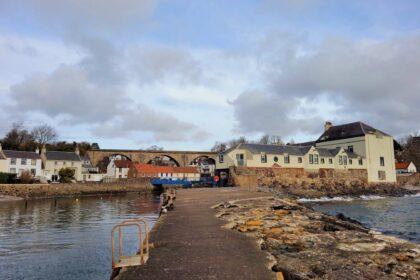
[143,250]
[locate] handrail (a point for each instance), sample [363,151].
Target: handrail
[143,251]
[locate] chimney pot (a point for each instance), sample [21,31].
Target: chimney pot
[327,125]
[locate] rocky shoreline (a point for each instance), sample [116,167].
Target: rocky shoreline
[305,244]
[357,190]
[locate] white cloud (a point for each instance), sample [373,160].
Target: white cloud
[375,82]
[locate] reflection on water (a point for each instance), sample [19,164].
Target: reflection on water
[398,216]
[65,238]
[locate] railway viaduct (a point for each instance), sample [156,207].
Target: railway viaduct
[182,158]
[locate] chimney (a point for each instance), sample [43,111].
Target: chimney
[327,125]
[77,151]
[43,150]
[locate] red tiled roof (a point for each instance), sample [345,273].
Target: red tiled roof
[122,163]
[401,165]
[149,168]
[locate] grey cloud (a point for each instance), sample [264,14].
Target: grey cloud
[163,126]
[376,82]
[152,63]
[66,92]
[256,112]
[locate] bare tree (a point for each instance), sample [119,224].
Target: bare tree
[219,147]
[155,148]
[44,134]
[270,139]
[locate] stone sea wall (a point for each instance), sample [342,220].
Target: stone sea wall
[305,244]
[54,190]
[410,180]
[300,183]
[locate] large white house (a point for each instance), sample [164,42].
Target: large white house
[19,161]
[349,146]
[118,169]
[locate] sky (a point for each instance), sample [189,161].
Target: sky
[130,74]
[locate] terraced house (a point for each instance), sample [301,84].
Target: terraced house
[17,162]
[353,146]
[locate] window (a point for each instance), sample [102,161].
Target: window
[360,161]
[299,159]
[340,160]
[264,158]
[240,159]
[330,161]
[72,163]
[322,160]
[276,159]
[56,162]
[381,175]
[382,161]
[350,161]
[13,161]
[33,171]
[311,159]
[23,161]
[286,159]
[120,169]
[345,160]
[33,161]
[64,163]
[350,149]
[220,158]
[12,170]
[316,159]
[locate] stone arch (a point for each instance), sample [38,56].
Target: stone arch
[208,159]
[124,157]
[158,158]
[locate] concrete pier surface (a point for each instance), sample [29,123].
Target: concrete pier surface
[190,242]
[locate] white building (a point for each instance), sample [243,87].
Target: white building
[17,162]
[405,167]
[118,169]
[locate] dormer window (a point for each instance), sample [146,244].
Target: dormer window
[286,159]
[221,158]
[340,160]
[315,159]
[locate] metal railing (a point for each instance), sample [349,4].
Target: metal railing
[143,244]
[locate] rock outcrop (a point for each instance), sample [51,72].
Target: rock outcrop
[305,244]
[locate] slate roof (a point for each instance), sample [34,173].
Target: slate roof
[21,154]
[292,150]
[58,155]
[348,130]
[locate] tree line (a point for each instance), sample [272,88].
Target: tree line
[21,139]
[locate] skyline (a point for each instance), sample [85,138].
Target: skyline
[127,74]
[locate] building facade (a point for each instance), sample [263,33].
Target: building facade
[344,147]
[118,169]
[142,170]
[54,161]
[17,162]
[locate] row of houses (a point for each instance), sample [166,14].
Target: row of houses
[46,165]
[353,146]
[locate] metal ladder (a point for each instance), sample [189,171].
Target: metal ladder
[143,251]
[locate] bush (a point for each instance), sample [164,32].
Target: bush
[66,175]
[26,177]
[7,178]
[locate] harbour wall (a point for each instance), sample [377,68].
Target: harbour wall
[74,189]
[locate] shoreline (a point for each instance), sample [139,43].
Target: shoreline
[305,243]
[40,191]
